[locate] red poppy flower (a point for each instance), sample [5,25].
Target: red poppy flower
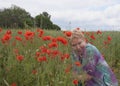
[0,29]
[13,84]
[43,49]
[37,54]
[86,40]
[105,42]
[67,70]
[53,44]
[34,72]
[62,40]
[109,38]
[45,38]
[77,63]
[41,32]
[6,38]
[68,33]
[16,51]
[29,35]
[55,52]
[8,32]
[18,38]
[65,56]
[92,37]
[87,33]
[19,32]
[75,82]
[99,32]
[54,40]
[40,59]
[20,57]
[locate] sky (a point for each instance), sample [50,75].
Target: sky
[70,14]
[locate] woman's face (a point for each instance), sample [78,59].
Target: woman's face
[78,45]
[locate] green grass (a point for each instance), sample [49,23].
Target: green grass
[51,71]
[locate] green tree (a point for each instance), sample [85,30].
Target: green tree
[56,27]
[43,21]
[15,17]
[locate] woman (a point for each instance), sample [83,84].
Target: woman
[93,70]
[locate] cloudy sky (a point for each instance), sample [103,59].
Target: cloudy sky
[68,14]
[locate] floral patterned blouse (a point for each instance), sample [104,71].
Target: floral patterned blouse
[94,64]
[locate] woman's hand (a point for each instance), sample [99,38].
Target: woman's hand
[82,77]
[85,77]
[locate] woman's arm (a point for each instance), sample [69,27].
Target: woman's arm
[93,57]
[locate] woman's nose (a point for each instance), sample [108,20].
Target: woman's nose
[78,46]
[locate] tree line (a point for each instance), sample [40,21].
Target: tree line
[16,17]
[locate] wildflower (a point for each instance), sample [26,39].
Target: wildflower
[37,54]
[45,38]
[92,37]
[8,32]
[109,38]
[105,42]
[34,72]
[53,44]
[18,38]
[62,40]
[19,57]
[0,29]
[67,70]
[43,49]
[5,38]
[41,32]
[40,59]
[87,33]
[55,52]
[16,51]
[68,33]
[44,58]
[86,40]
[19,32]
[54,40]
[65,56]
[13,84]
[99,32]
[29,35]
[75,82]
[77,63]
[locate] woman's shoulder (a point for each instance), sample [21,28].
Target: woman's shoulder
[91,50]
[91,47]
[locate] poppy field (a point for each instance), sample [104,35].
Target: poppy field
[37,57]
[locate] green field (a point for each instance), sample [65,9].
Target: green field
[30,58]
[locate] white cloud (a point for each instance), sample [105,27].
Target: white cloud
[73,13]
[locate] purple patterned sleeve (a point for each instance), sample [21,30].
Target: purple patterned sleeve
[93,56]
[97,67]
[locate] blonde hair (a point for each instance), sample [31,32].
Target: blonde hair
[76,34]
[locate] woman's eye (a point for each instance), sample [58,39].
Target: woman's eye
[79,43]
[74,45]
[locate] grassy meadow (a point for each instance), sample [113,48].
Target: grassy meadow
[36,57]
